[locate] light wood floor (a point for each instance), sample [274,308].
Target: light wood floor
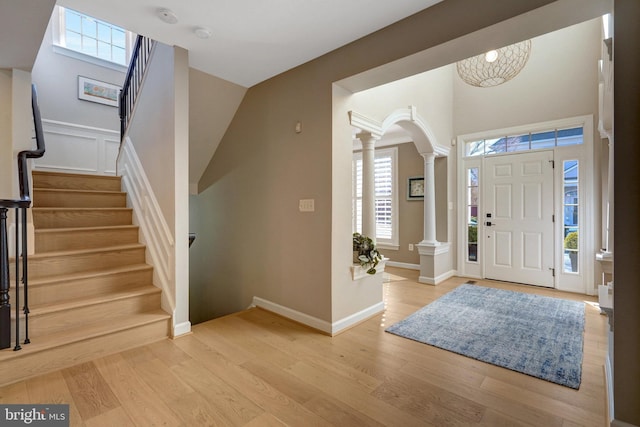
[257,369]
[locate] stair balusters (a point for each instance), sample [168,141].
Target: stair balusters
[21,205]
[133,81]
[5,307]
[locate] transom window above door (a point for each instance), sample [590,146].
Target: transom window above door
[528,141]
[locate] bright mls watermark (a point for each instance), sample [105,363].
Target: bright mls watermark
[34,415]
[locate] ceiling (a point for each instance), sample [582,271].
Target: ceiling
[253,40]
[25,21]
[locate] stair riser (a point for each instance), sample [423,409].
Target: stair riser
[62,199]
[84,218]
[34,364]
[83,239]
[55,265]
[50,323]
[89,287]
[75,182]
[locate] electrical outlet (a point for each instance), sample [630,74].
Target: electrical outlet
[411,246]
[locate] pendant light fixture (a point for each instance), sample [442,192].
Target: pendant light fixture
[496,66]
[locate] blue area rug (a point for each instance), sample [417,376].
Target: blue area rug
[535,335]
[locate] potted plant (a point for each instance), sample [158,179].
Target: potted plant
[365,253]
[571,242]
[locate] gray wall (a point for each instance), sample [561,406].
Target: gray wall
[263,245]
[626,365]
[560,80]
[411,212]
[56,77]
[212,104]
[155,144]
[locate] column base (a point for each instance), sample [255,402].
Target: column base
[435,262]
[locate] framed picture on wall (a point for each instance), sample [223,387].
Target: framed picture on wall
[415,188]
[97,91]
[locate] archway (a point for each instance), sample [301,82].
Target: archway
[435,262]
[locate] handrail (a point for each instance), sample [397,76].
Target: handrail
[20,205]
[133,81]
[23,174]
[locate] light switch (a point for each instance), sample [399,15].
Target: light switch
[307,205]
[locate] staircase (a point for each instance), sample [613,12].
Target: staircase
[90,291]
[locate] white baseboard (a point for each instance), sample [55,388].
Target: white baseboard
[319,324]
[403,265]
[436,280]
[289,313]
[608,385]
[181,329]
[354,319]
[617,423]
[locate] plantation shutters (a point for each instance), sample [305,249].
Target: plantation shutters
[385,171]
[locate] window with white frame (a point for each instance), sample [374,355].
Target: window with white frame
[92,37]
[386,196]
[571,221]
[473,191]
[527,141]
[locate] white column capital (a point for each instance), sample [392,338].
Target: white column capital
[428,157]
[368,139]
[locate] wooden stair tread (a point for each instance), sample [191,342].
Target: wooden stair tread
[54,254]
[51,280]
[44,179]
[78,216]
[83,229]
[79,208]
[77,191]
[70,304]
[85,332]
[75,175]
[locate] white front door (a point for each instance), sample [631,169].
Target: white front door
[518,218]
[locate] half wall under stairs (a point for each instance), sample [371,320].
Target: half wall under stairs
[90,290]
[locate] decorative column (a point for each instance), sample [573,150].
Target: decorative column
[368,185]
[429,200]
[435,260]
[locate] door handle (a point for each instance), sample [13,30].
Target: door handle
[488,223]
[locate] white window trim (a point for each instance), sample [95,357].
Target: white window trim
[394,242]
[58,47]
[580,121]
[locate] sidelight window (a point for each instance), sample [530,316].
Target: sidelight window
[571,220]
[473,189]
